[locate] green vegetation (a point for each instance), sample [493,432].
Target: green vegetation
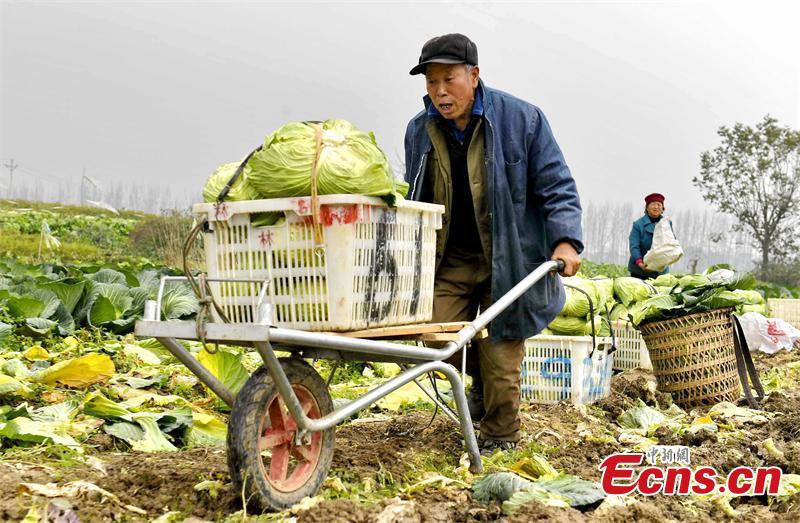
[70,370]
[34,232]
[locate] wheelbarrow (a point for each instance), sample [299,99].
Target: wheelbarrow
[281,430]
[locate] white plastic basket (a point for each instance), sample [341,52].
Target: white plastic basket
[373,265]
[785,309]
[559,368]
[631,350]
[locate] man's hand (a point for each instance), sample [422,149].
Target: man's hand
[565,252]
[643,266]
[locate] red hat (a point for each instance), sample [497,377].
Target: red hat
[653,197]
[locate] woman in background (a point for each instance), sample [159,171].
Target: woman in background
[641,238]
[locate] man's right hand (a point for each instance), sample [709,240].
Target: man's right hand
[644,267]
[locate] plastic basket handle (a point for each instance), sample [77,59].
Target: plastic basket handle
[591,313]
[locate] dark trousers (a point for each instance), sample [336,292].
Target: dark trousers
[462,287]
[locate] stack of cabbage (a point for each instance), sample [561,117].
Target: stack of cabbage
[664,297]
[576,317]
[350,162]
[669,296]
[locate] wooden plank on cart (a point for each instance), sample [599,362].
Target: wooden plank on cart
[419,331]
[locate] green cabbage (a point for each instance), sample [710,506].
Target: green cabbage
[605,292]
[568,326]
[750,297]
[760,308]
[641,417]
[498,486]
[601,326]
[652,308]
[722,298]
[577,304]
[350,162]
[691,281]
[619,312]
[241,190]
[665,280]
[629,290]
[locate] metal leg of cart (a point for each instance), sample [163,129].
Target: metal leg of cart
[197,368]
[303,422]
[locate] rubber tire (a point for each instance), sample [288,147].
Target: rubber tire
[243,435]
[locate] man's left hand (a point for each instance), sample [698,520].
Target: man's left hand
[565,252]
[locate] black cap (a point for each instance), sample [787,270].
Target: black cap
[452,48]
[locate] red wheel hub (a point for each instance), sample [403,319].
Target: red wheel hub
[285,464]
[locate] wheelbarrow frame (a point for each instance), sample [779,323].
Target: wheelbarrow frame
[305,344]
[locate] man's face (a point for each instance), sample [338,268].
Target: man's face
[452,90]
[655,209]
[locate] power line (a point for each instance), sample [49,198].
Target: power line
[41,173]
[11,166]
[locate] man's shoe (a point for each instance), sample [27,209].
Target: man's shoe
[475,404]
[490,446]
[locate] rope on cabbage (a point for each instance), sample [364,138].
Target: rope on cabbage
[316,230]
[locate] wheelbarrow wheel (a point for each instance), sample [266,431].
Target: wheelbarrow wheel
[269,466]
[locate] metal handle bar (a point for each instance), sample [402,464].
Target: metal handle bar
[483,319]
[367,346]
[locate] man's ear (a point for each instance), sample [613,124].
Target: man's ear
[474,78]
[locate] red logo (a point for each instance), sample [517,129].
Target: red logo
[620,478]
[266,238]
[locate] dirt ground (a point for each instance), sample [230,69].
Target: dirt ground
[147,486]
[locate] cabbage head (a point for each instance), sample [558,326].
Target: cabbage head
[605,291]
[629,290]
[350,162]
[576,305]
[569,326]
[665,280]
[750,297]
[760,308]
[691,281]
[654,308]
[619,312]
[601,326]
[241,190]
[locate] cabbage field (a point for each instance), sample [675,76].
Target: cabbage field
[98,425]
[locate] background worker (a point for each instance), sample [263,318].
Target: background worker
[641,237]
[510,204]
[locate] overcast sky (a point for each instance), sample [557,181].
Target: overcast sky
[163,92]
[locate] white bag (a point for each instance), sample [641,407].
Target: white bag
[665,249]
[768,334]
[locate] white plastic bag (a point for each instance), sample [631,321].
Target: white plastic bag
[665,249]
[768,334]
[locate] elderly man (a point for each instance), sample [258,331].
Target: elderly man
[510,204]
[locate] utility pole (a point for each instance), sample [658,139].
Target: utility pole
[11,166]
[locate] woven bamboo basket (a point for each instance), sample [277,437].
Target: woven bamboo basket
[693,357]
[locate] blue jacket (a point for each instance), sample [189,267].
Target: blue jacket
[533,204]
[641,239]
